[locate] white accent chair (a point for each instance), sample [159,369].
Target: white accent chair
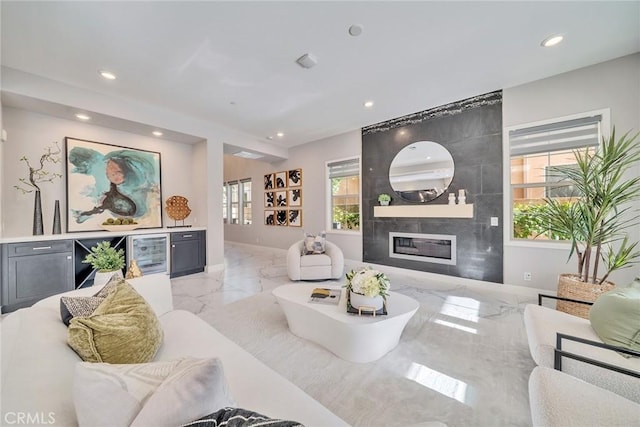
[329,265]
[559,399]
[554,337]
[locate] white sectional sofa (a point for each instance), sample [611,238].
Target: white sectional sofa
[38,365]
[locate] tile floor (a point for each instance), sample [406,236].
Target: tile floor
[463,359]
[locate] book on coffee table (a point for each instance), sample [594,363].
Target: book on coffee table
[325,296]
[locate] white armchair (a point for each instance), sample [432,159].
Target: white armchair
[559,399]
[555,337]
[329,265]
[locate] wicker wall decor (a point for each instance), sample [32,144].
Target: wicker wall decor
[177,208]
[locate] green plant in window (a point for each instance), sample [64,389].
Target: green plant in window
[529,222]
[352,220]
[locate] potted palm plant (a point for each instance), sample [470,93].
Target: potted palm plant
[106,260]
[596,221]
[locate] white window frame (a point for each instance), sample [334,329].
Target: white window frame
[225,203]
[243,202]
[231,203]
[328,202]
[506,167]
[241,214]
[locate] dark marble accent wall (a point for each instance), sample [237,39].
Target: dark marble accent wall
[471,130]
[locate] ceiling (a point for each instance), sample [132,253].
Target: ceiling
[233,63]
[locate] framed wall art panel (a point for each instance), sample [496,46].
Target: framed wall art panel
[294,177]
[268,182]
[269,217]
[294,197]
[281,199]
[109,181]
[280,180]
[281,217]
[269,201]
[295,217]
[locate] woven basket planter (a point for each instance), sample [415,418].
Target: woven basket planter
[569,286]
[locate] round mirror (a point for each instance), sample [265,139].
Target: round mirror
[421,171]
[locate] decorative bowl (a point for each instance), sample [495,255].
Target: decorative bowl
[121,227]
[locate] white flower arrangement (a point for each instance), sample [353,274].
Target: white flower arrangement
[369,282]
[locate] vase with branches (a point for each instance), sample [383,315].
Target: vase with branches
[38,174]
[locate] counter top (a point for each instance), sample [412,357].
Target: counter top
[98,234]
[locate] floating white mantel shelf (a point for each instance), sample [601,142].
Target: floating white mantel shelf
[423,211]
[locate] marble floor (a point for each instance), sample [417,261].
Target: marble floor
[463,358]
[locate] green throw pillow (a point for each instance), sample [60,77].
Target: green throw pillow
[123,329]
[615,316]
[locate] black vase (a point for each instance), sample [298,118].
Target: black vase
[38,228]
[57,227]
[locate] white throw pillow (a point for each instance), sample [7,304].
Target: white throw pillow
[158,393]
[314,243]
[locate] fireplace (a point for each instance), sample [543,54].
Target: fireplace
[436,248]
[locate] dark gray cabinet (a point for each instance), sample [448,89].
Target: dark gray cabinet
[188,252]
[35,270]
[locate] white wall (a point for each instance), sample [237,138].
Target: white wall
[30,133]
[311,159]
[35,88]
[1,171]
[613,84]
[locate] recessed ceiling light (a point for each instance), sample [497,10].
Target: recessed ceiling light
[83,116]
[269,138]
[402,132]
[157,133]
[552,40]
[280,134]
[107,74]
[368,104]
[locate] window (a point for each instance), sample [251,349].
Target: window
[245,188]
[344,194]
[225,204]
[234,198]
[236,202]
[533,151]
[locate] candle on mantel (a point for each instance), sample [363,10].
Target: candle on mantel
[462,199]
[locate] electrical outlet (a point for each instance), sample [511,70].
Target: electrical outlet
[527,276]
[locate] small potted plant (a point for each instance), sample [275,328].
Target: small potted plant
[367,288]
[106,260]
[384,199]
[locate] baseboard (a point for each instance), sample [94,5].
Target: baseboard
[215,268]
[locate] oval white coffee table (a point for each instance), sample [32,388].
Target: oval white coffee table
[351,337]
